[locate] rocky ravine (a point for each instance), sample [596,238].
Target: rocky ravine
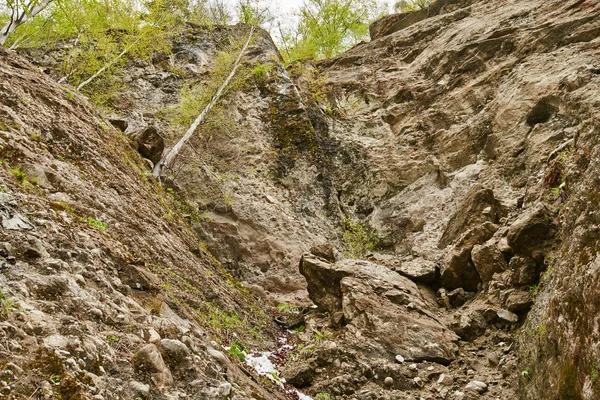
[466,137]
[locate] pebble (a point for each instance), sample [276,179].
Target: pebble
[389,381]
[399,358]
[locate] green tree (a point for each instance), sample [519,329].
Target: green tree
[329,27]
[253,12]
[18,13]
[411,5]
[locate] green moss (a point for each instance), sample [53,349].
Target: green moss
[568,383]
[594,375]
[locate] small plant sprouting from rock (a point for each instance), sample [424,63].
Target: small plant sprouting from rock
[261,72]
[594,375]
[7,304]
[323,396]
[358,239]
[283,308]
[99,225]
[237,350]
[112,340]
[22,177]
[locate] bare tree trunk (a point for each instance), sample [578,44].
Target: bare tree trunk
[170,156]
[106,66]
[18,18]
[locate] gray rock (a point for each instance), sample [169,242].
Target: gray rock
[469,326]
[458,269]
[365,293]
[470,213]
[476,386]
[218,356]
[224,389]
[519,301]
[16,223]
[507,316]
[138,278]
[488,260]
[528,234]
[324,251]
[150,143]
[388,381]
[523,270]
[149,359]
[140,389]
[418,270]
[300,374]
[174,351]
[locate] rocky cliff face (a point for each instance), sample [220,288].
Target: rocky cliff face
[455,154]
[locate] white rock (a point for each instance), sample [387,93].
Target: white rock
[399,358]
[476,386]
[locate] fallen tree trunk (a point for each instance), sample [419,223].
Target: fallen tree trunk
[165,161]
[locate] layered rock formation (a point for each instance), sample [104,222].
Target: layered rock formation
[462,137]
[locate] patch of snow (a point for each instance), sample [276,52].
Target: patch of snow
[262,364]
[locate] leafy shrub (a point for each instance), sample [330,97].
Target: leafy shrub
[7,304]
[358,240]
[237,350]
[101,226]
[411,5]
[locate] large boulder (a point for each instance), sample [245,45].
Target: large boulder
[149,142]
[488,260]
[528,234]
[384,306]
[458,269]
[478,207]
[418,270]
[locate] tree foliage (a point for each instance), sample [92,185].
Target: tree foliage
[18,13]
[328,27]
[411,5]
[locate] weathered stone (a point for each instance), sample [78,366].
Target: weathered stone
[470,213]
[386,306]
[458,270]
[149,359]
[507,316]
[324,251]
[469,326]
[138,278]
[519,301]
[174,351]
[458,297]
[419,270]
[523,271]
[300,374]
[488,260]
[150,144]
[16,222]
[140,389]
[119,123]
[528,234]
[476,386]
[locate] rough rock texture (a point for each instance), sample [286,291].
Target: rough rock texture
[464,136]
[382,304]
[99,262]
